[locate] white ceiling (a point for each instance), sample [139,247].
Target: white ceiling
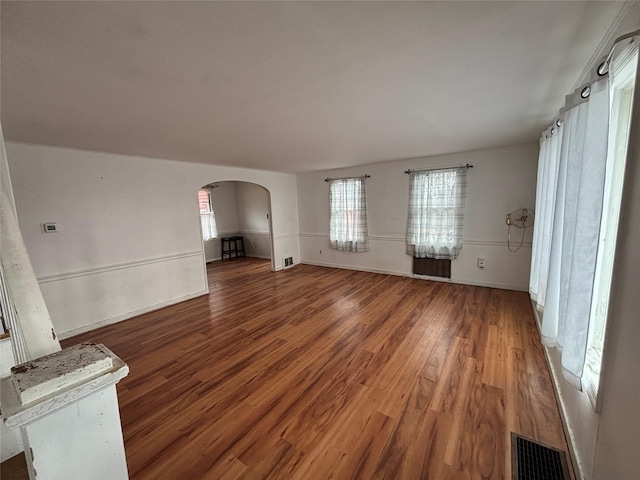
[290,86]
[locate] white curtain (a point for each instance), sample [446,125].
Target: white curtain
[207,215]
[577,210]
[348,210]
[208,222]
[437,202]
[545,202]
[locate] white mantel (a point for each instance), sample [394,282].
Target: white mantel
[66,407]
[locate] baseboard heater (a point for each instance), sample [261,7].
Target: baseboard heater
[531,460]
[433,267]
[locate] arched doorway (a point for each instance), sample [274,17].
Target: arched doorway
[239,209]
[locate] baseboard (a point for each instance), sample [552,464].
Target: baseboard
[575,465]
[262,257]
[423,277]
[128,315]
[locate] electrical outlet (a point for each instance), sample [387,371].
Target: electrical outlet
[320,252]
[481,263]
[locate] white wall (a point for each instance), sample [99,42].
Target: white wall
[502,180]
[253,221]
[129,238]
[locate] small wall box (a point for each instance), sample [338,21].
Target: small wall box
[50,228]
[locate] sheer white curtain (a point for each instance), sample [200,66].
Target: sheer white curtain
[207,215]
[348,210]
[576,223]
[437,202]
[545,202]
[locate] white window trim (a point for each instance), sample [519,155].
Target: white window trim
[622,104]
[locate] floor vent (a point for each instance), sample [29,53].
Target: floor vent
[534,461]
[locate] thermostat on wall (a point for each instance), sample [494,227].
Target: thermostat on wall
[50,227]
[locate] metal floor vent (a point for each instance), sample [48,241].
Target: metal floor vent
[534,461]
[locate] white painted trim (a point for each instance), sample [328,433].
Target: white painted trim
[255,232]
[286,236]
[462,281]
[117,266]
[131,314]
[568,433]
[389,238]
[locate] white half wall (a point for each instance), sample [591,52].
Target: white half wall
[129,238]
[502,180]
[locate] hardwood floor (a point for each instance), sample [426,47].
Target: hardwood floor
[314,373]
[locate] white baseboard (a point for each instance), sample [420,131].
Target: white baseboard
[217,259]
[128,315]
[576,466]
[462,281]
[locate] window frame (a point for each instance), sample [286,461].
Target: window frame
[622,93]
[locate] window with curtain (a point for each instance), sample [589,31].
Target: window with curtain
[348,211]
[623,78]
[207,215]
[437,203]
[580,175]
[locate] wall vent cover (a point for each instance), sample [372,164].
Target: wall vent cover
[531,460]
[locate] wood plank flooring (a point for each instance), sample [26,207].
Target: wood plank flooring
[314,373]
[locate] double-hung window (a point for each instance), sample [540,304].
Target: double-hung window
[207,215]
[437,202]
[348,215]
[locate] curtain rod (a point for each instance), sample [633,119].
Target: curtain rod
[437,168]
[328,179]
[603,68]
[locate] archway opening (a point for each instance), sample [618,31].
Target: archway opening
[236,209]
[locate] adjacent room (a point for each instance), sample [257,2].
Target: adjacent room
[311,240]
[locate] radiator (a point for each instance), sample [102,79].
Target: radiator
[432,267]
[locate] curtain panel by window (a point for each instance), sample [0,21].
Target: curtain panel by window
[207,215]
[573,163]
[437,202]
[545,203]
[348,215]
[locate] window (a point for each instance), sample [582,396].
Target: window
[622,86]
[348,210]
[207,215]
[437,202]
[582,221]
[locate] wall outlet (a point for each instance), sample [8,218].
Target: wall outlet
[481,263]
[320,252]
